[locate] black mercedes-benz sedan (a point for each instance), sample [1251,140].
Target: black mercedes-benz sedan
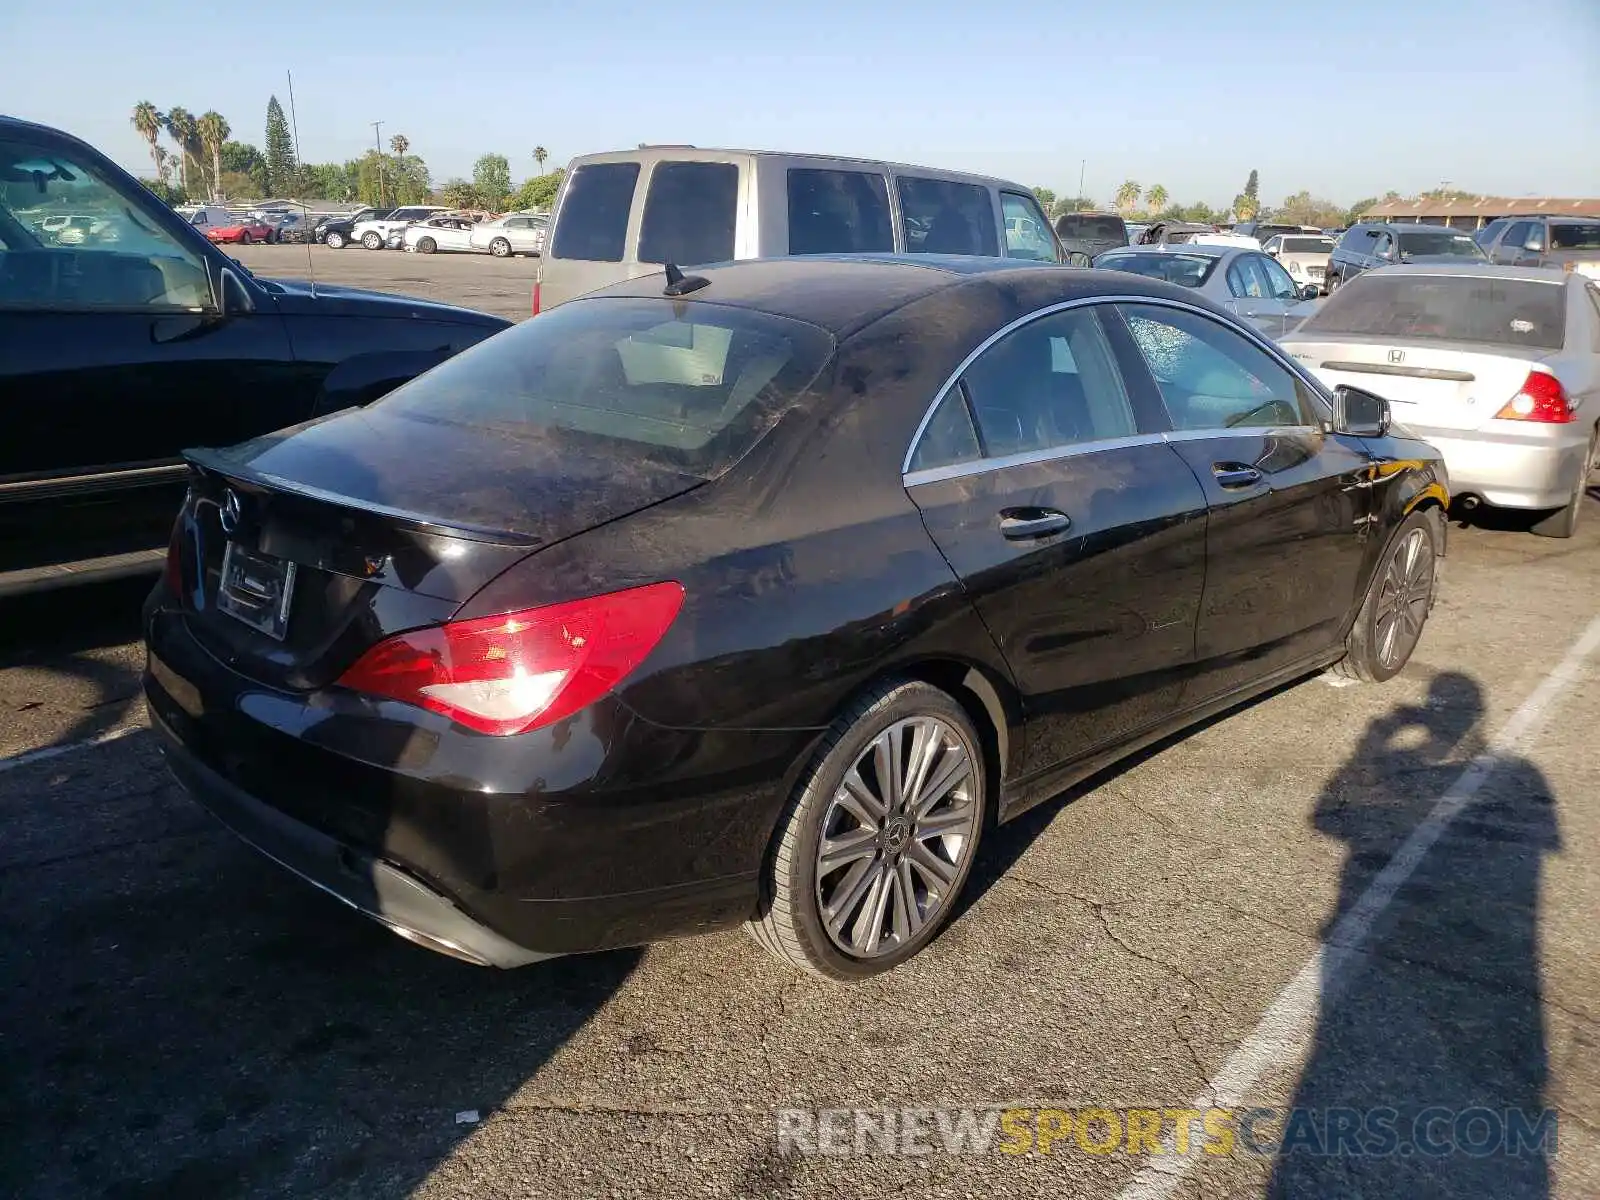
[756,596]
[134,338]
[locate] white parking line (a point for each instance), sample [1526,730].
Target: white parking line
[1284,1033]
[48,752]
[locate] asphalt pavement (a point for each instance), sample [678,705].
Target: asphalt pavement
[1339,898]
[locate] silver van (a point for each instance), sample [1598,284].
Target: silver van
[625,214]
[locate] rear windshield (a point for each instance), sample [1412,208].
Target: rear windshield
[1453,308]
[689,213]
[1189,270]
[1574,236]
[838,212]
[686,386]
[1091,228]
[1307,245]
[1445,243]
[594,213]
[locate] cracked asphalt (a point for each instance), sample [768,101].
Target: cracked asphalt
[180,1018]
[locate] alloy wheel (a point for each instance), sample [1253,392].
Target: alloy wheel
[1403,598]
[896,836]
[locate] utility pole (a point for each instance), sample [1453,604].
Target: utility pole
[377,140]
[1083,165]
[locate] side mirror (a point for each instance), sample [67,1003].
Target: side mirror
[1359,413]
[233,297]
[1309,291]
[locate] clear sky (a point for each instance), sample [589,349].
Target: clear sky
[1347,99]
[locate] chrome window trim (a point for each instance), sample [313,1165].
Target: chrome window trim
[977,466]
[928,474]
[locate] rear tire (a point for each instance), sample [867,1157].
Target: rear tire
[1563,523]
[900,839]
[427,246]
[244,239]
[334,241]
[372,241]
[1396,607]
[500,248]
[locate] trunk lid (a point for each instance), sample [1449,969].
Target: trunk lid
[1431,385]
[389,523]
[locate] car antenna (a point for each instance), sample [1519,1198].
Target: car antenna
[294,122]
[679,284]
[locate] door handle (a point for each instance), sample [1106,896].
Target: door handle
[1020,524]
[1235,475]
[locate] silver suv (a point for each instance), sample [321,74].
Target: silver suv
[625,214]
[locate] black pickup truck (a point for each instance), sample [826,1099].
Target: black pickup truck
[126,337]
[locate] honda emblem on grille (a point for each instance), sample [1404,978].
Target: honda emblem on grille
[1397,356]
[232,513]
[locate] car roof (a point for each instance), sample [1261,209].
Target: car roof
[1182,248]
[1484,270]
[844,293]
[1416,227]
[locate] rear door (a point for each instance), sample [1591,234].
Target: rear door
[1509,248]
[1252,290]
[1289,503]
[1077,530]
[947,216]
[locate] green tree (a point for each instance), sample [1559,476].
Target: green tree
[1357,210]
[181,129]
[491,175]
[1245,208]
[1066,204]
[1252,188]
[1046,198]
[283,171]
[1128,196]
[1303,208]
[148,122]
[458,193]
[540,191]
[399,144]
[539,155]
[384,179]
[1391,196]
[236,185]
[213,130]
[328,181]
[1156,198]
[1200,213]
[241,158]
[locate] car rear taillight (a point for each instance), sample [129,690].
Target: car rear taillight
[174,570]
[521,670]
[1542,398]
[536,297]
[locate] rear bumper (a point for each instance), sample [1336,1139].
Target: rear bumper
[1513,464]
[605,832]
[369,885]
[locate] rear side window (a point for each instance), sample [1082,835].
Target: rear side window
[1455,245]
[1092,227]
[686,386]
[1053,382]
[689,213]
[838,212]
[942,217]
[594,213]
[1454,308]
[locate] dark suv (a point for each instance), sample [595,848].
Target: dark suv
[1091,233]
[1547,242]
[121,347]
[1370,244]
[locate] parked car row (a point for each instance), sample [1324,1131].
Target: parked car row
[750,593]
[430,229]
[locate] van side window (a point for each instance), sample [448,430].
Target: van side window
[689,213]
[594,213]
[838,212]
[943,217]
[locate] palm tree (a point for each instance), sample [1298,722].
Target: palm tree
[1128,196]
[163,164]
[147,121]
[181,128]
[213,130]
[399,143]
[1156,199]
[539,155]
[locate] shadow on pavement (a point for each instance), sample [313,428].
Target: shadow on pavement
[1441,1017]
[180,1017]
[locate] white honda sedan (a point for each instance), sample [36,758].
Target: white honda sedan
[439,233]
[1499,367]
